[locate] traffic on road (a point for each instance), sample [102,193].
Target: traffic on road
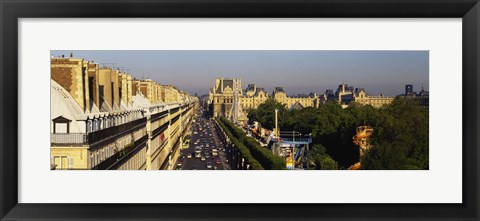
[204,151]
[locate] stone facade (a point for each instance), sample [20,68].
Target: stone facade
[361,97]
[253,97]
[100,120]
[311,100]
[345,95]
[221,97]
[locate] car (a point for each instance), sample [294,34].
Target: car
[214,152]
[198,154]
[207,156]
[189,156]
[179,163]
[209,165]
[218,161]
[202,159]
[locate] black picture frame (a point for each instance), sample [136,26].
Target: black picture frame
[11,11]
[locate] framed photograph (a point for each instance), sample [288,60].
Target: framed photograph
[257,110]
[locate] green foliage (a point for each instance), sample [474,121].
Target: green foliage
[265,157]
[265,113]
[328,163]
[319,157]
[399,140]
[125,150]
[244,151]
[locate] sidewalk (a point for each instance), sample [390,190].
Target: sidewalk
[220,154]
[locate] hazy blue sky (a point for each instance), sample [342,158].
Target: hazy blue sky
[378,72]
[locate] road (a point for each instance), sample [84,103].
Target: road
[204,136]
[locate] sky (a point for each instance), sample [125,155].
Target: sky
[299,72]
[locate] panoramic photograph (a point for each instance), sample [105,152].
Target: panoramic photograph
[239,110]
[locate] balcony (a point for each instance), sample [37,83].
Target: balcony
[159,115]
[122,156]
[175,119]
[69,139]
[100,135]
[59,139]
[174,110]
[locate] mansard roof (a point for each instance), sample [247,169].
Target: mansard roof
[260,89]
[250,87]
[279,90]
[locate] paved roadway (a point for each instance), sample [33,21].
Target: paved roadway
[203,134]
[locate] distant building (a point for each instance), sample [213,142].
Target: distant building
[253,97]
[296,106]
[422,97]
[408,89]
[221,98]
[361,97]
[345,95]
[327,96]
[311,100]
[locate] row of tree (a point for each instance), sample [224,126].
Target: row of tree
[399,140]
[244,151]
[265,157]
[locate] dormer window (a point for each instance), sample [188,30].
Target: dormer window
[61,125]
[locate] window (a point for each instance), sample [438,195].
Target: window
[61,162]
[89,126]
[95,125]
[61,125]
[70,162]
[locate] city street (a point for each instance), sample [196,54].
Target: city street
[205,151]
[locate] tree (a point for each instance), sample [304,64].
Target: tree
[328,163]
[265,113]
[401,138]
[303,121]
[319,157]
